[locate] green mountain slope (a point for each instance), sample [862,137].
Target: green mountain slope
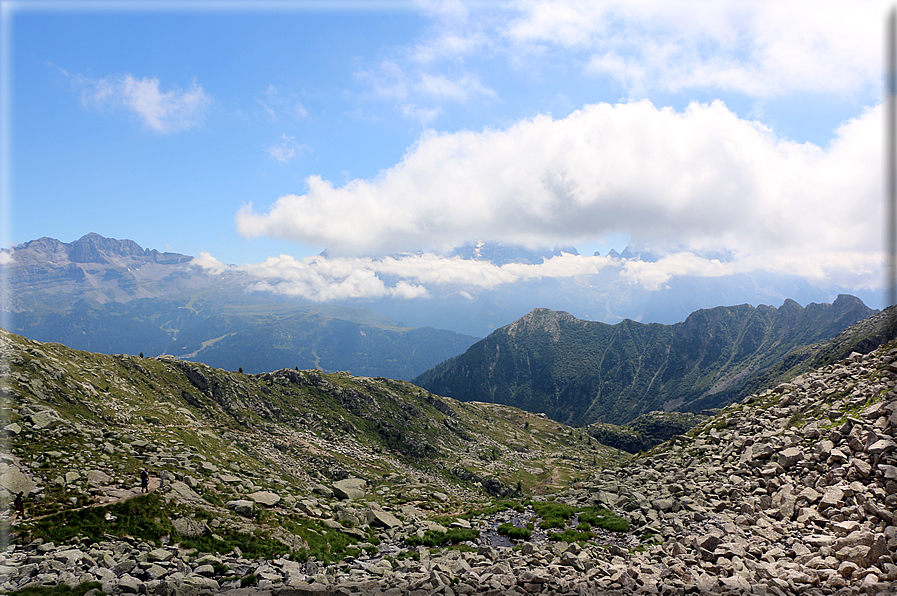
[285,431]
[580,372]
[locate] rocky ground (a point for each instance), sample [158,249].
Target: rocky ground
[790,491]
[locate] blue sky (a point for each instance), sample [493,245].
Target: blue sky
[259,134]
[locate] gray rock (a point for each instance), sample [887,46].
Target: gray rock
[241,507]
[266,498]
[159,555]
[350,488]
[15,482]
[789,457]
[188,527]
[98,477]
[385,519]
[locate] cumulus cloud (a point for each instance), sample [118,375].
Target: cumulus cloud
[701,180]
[162,111]
[762,48]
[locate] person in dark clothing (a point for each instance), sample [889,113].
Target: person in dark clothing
[19,504]
[144,480]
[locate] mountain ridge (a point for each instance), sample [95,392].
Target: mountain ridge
[579,372]
[109,295]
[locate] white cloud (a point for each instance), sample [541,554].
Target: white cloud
[761,48]
[209,263]
[321,278]
[164,112]
[700,181]
[286,150]
[6,257]
[411,276]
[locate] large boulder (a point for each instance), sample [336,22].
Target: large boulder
[98,477]
[45,419]
[14,481]
[350,488]
[384,519]
[188,527]
[241,507]
[266,498]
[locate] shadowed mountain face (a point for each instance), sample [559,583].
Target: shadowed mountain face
[580,372]
[112,296]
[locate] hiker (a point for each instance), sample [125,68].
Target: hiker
[144,480]
[19,504]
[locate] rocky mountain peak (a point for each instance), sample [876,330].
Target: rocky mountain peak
[541,319]
[91,248]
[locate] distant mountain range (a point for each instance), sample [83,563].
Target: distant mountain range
[580,372]
[113,296]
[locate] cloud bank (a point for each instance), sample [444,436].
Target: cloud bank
[162,111]
[324,279]
[700,180]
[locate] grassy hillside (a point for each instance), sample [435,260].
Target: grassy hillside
[68,412]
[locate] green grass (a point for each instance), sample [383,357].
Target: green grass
[251,545]
[512,531]
[570,535]
[554,515]
[325,544]
[142,517]
[602,518]
[433,538]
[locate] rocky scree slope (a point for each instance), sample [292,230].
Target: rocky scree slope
[580,372]
[791,490]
